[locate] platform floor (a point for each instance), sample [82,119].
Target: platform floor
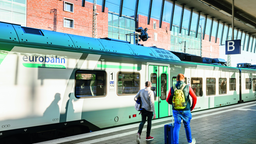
[234,124]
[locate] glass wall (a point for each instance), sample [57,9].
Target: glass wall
[194,23]
[214,29]
[13,11]
[121,27]
[208,26]
[178,41]
[185,21]
[177,16]
[167,11]
[220,31]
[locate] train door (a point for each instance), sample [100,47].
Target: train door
[159,77]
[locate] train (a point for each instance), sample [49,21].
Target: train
[53,82]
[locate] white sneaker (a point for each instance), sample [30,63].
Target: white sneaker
[193,141]
[138,138]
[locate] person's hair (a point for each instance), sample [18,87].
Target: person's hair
[180,77]
[147,83]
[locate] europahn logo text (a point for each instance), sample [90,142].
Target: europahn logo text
[43,59]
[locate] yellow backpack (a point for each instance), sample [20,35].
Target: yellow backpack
[178,100]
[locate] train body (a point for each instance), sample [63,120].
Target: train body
[51,80]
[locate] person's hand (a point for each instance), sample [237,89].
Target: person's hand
[154,116]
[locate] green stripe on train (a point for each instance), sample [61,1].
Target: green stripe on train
[32,65]
[118,67]
[2,56]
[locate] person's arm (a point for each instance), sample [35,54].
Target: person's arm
[194,98]
[152,103]
[169,97]
[137,95]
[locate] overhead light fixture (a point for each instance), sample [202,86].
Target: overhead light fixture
[249,25]
[225,13]
[209,5]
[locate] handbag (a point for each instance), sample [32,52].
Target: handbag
[138,104]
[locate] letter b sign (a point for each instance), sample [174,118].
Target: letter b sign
[233,47]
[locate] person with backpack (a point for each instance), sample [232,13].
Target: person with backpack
[148,110]
[178,97]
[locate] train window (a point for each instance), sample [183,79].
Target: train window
[90,83]
[222,85]
[163,86]
[153,80]
[254,84]
[197,86]
[128,83]
[210,86]
[232,84]
[248,83]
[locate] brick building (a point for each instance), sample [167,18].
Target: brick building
[66,16]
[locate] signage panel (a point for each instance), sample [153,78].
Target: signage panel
[233,47]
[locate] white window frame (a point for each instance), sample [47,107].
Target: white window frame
[68,19]
[154,24]
[155,36]
[64,6]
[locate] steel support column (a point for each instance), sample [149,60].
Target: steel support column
[227,33]
[197,26]
[121,8]
[103,5]
[244,40]
[83,3]
[210,36]
[172,15]
[241,35]
[161,14]
[222,34]
[149,11]
[136,12]
[253,39]
[237,33]
[248,43]
[217,31]
[190,20]
[181,19]
[255,47]
[205,24]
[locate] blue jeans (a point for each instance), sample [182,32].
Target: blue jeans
[186,116]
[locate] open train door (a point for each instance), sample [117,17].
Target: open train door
[159,77]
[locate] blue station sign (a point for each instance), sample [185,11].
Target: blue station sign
[233,47]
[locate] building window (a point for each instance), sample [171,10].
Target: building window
[90,83]
[69,23]
[155,36]
[68,7]
[154,24]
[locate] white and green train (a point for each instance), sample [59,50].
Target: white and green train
[57,81]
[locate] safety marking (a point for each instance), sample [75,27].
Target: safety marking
[168,120]
[247,109]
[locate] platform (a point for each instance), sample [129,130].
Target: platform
[234,124]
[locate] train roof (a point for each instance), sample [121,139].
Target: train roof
[25,35]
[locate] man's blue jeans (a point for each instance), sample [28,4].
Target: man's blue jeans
[186,116]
